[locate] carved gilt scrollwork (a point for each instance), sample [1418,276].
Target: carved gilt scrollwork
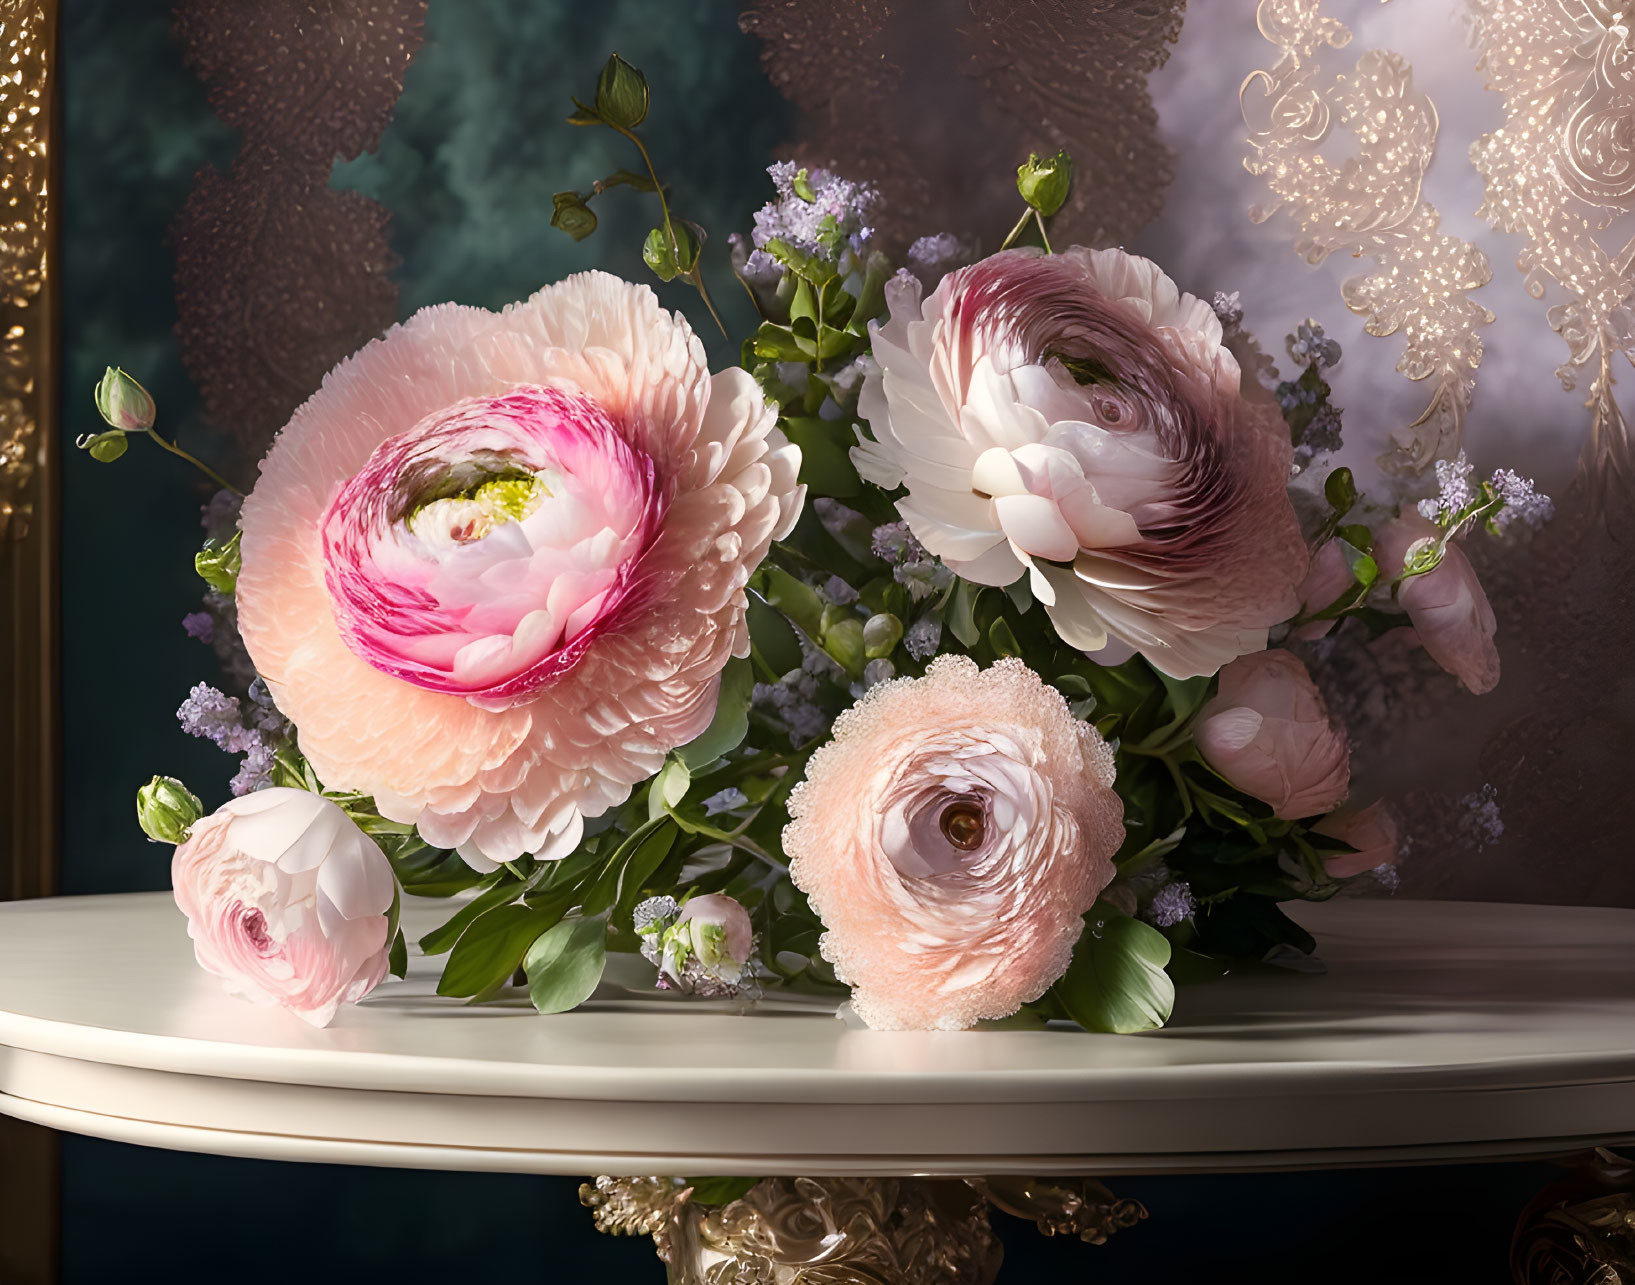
[1370,205]
[849,1231]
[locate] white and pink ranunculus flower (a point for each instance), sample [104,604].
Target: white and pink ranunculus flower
[493,568]
[1268,733]
[287,901]
[1074,418]
[1448,608]
[950,837]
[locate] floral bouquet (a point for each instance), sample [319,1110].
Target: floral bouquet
[951,649]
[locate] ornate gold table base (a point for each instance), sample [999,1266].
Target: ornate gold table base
[1581,1230]
[849,1231]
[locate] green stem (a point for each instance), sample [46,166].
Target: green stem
[696,276]
[1017,230]
[1043,236]
[197,463]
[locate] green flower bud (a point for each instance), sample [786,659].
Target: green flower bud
[106,447]
[621,94]
[881,634]
[218,564]
[1043,182]
[572,215]
[167,810]
[844,642]
[124,403]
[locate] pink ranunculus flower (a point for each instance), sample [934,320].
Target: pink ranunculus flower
[1074,417]
[950,838]
[1372,831]
[1447,606]
[1268,733]
[494,567]
[287,901]
[1329,577]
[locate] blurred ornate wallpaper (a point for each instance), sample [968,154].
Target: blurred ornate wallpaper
[234,224]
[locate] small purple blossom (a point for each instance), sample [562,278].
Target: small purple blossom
[923,578]
[1172,904]
[1309,346]
[1481,822]
[256,770]
[1453,490]
[1323,433]
[923,638]
[219,517]
[200,625]
[1523,501]
[725,801]
[815,211]
[214,715]
[931,258]
[895,543]
[1387,876]
[837,591]
[1228,307]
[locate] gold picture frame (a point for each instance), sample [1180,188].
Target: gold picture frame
[30,733]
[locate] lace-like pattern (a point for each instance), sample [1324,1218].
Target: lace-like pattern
[1370,206]
[877,83]
[1558,173]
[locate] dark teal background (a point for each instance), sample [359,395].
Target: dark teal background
[467,169]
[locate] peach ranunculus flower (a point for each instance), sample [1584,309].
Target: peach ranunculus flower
[950,838]
[287,901]
[1268,733]
[1372,831]
[1447,607]
[494,567]
[1074,417]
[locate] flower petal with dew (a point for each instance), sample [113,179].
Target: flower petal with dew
[494,567]
[950,837]
[1074,418]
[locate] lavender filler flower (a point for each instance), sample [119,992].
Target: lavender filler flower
[1172,904]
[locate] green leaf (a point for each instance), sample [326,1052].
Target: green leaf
[659,255]
[218,563]
[571,215]
[106,447]
[1357,536]
[795,598]
[626,178]
[1003,639]
[775,343]
[1340,489]
[1116,982]
[565,964]
[962,612]
[1043,181]
[728,728]
[772,637]
[489,951]
[621,94]
[825,463]
[585,115]
[498,889]
[810,266]
[397,961]
[1189,968]
[720,1191]
[603,891]
[668,788]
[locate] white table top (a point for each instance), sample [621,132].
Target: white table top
[1440,1031]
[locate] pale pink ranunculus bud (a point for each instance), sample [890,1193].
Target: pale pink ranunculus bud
[287,901]
[1447,606]
[1329,577]
[1268,733]
[1372,831]
[718,931]
[951,837]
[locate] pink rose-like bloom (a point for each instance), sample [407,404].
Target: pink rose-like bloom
[1448,608]
[1268,733]
[1372,831]
[951,837]
[1329,577]
[1074,417]
[493,568]
[287,902]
